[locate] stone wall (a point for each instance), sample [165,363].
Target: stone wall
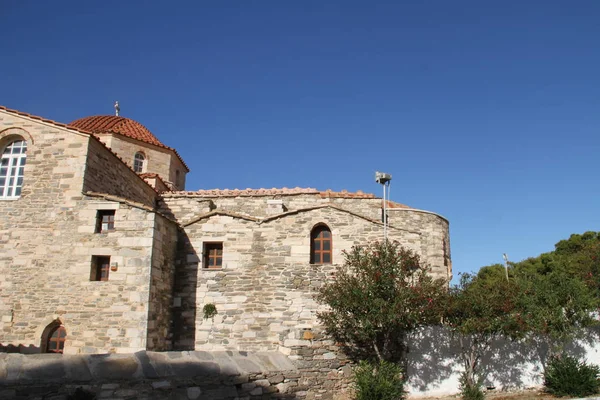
[435,239]
[174,375]
[264,294]
[48,240]
[161,284]
[99,316]
[33,255]
[105,173]
[159,160]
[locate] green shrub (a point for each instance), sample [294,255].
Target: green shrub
[209,310]
[379,381]
[470,391]
[567,376]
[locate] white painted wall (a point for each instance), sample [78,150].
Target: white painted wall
[434,364]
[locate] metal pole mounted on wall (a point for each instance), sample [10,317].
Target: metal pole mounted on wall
[384,179]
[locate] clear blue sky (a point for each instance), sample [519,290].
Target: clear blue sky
[485,112]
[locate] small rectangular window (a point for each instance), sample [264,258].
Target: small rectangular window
[105,220]
[100,268]
[213,255]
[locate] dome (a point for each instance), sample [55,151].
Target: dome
[118,125]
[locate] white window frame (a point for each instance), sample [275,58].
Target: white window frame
[12,167]
[141,162]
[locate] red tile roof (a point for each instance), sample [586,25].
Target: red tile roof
[151,175]
[121,126]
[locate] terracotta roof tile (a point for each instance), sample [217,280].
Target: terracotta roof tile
[121,126]
[393,204]
[347,195]
[151,175]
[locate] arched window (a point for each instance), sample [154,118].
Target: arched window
[139,162]
[12,168]
[56,340]
[53,338]
[321,245]
[177,183]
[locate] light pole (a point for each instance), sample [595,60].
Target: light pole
[384,179]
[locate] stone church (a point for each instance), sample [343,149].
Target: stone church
[103,250]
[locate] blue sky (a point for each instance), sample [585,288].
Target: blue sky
[485,112]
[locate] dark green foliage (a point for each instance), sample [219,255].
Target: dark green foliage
[481,309]
[555,306]
[470,391]
[556,291]
[380,294]
[567,376]
[548,299]
[379,381]
[209,310]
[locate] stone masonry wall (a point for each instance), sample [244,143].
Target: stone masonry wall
[99,316]
[434,229]
[264,292]
[105,173]
[47,243]
[435,241]
[31,226]
[161,285]
[159,160]
[173,375]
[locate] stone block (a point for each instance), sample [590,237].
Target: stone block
[256,391]
[193,392]
[248,386]
[276,379]
[193,369]
[262,382]
[110,367]
[161,385]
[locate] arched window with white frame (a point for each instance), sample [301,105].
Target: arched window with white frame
[12,168]
[139,162]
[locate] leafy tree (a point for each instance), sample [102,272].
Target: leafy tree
[557,306]
[380,294]
[580,255]
[556,292]
[481,309]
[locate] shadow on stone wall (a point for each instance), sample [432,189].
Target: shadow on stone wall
[185,285]
[21,348]
[173,375]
